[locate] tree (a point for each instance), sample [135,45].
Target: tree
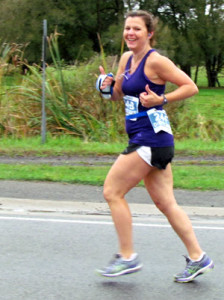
[77,21]
[22,22]
[208,30]
[190,31]
[177,15]
[197,32]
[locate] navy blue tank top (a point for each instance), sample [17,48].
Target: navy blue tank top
[141,131]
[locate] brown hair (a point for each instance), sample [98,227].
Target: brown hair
[148,18]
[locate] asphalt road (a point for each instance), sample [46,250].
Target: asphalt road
[54,258]
[53,236]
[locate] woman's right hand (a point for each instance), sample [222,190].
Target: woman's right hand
[107,81]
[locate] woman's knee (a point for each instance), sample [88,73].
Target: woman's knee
[163,199]
[109,194]
[166,206]
[112,194]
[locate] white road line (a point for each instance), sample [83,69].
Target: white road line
[88,222]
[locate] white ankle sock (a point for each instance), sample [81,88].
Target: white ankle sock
[200,258]
[133,256]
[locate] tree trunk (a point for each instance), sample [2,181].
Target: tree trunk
[212,74]
[186,69]
[196,74]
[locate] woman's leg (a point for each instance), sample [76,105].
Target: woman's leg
[127,171]
[159,184]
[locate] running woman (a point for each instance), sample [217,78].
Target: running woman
[140,80]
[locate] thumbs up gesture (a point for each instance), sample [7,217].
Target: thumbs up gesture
[149,98]
[107,81]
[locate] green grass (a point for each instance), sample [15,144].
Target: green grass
[69,145]
[55,146]
[198,177]
[185,177]
[187,174]
[77,109]
[209,103]
[42,172]
[197,147]
[200,119]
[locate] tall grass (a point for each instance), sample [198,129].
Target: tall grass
[74,107]
[200,117]
[72,104]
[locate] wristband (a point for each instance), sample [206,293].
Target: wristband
[108,91]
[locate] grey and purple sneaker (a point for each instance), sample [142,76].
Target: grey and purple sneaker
[118,266]
[194,269]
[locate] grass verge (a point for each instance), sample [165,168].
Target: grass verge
[185,177]
[68,145]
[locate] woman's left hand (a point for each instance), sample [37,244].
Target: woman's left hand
[149,98]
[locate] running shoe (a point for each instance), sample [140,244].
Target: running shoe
[118,266]
[194,269]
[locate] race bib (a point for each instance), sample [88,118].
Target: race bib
[159,121]
[131,106]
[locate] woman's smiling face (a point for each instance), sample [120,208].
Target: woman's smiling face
[135,33]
